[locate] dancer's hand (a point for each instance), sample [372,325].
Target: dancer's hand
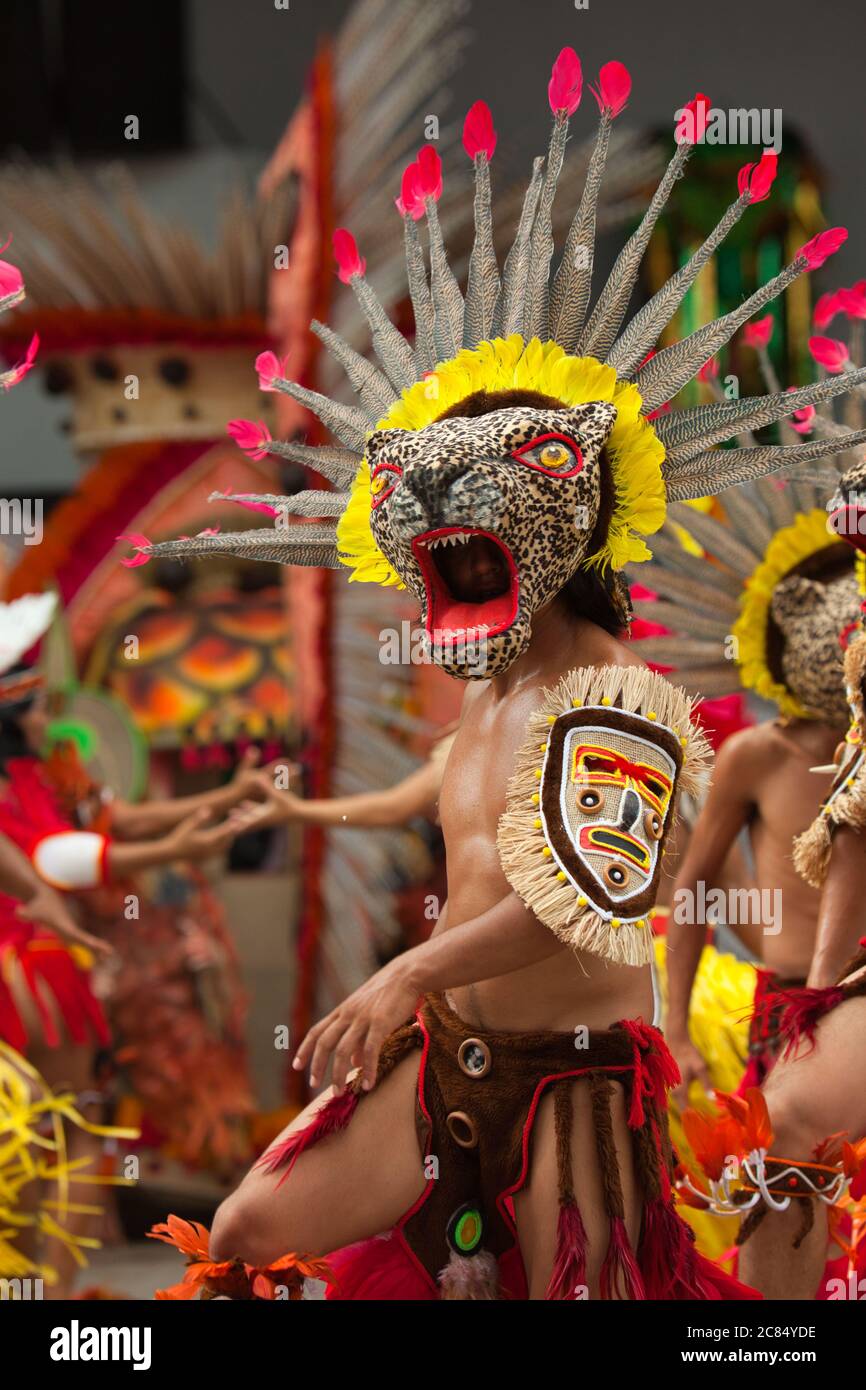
[354,1032]
[245,779]
[193,838]
[275,804]
[48,909]
[691,1064]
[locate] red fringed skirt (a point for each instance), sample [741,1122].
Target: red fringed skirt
[771,999]
[55,983]
[478,1097]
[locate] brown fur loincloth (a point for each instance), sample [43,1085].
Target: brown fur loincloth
[477,1100]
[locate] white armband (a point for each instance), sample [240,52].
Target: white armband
[72,859]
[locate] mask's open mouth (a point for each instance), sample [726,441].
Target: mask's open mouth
[471,582]
[608,840]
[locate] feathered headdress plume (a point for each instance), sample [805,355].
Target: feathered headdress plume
[716,590]
[545,320]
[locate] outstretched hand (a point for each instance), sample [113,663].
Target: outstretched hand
[47,908]
[194,838]
[353,1033]
[244,782]
[274,805]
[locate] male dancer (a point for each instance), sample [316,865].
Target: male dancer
[782,596]
[809,1153]
[506,488]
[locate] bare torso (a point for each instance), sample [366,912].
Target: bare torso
[569,988]
[787,797]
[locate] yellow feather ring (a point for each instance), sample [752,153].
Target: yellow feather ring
[635,451]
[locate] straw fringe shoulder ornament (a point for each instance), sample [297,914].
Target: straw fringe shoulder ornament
[468,435]
[593,801]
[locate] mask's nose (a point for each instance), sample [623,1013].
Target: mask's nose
[430,482]
[630,810]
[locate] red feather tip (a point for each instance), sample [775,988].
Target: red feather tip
[693,120]
[614,88]
[411,200]
[757,179]
[479,135]
[831,353]
[429,167]
[565,87]
[250,435]
[350,262]
[822,246]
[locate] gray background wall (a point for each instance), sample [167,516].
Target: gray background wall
[249,59]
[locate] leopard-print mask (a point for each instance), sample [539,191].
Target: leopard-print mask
[519,490]
[812,616]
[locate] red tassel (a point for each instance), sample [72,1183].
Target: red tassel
[569,1265]
[620,1275]
[804,1009]
[673,1269]
[667,1256]
[332,1117]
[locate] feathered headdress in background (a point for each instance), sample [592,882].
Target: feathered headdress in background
[763,598]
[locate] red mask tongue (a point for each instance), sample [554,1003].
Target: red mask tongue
[470,585]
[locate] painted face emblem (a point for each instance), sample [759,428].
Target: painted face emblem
[606,799]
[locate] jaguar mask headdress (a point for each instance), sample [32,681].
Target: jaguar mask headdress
[517,439]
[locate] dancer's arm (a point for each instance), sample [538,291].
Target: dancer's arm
[725,812]
[841,916]
[39,902]
[143,820]
[415,795]
[193,838]
[507,937]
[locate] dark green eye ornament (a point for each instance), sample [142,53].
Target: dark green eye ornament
[465,1229]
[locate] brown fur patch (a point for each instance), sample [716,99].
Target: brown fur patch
[485,402]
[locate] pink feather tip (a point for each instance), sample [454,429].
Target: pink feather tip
[250,435]
[140,542]
[758,333]
[565,87]
[270,369]
[829,353]
[11,279]
[614,88]
[826,309]
[411,200]
[479,135]
[853,302]
[692,120]
[822,246]
[802,419]
[429,176]
[244,499]
[757,179]
[350,262]
[21,369]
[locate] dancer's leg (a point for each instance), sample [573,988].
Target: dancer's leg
[818,1093]
[349,1186]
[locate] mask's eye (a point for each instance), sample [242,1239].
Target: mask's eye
[552,453]
[385,478]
